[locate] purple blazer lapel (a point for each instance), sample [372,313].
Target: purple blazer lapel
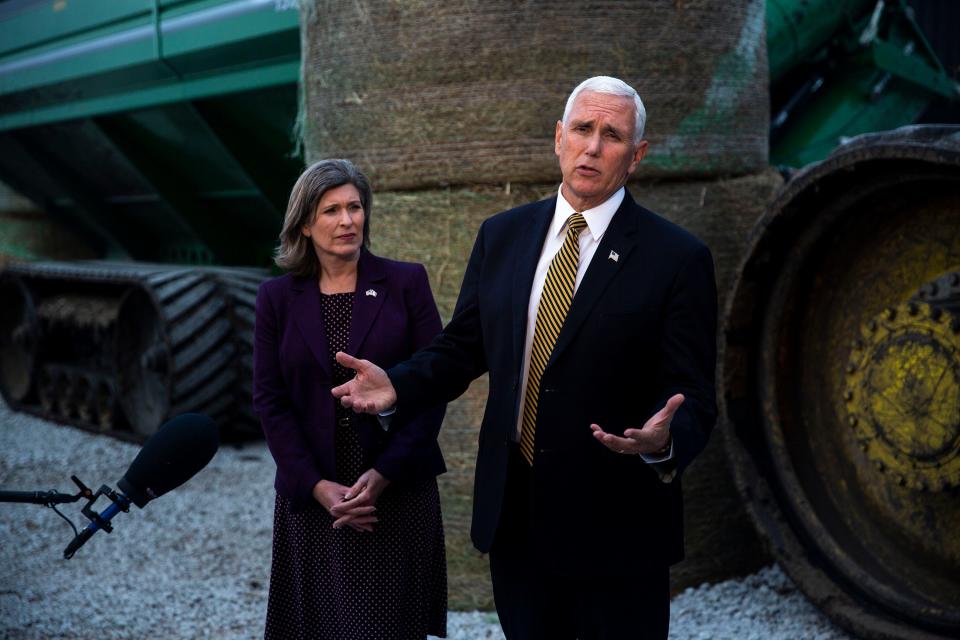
[369,298]
[308,317]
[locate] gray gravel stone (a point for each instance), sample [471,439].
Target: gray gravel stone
[195,563]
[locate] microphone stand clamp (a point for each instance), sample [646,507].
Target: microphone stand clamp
[121,501]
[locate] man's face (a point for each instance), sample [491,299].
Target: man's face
[596,148]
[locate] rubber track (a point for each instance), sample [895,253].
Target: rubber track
[240,287]
[199,338]
[207,319]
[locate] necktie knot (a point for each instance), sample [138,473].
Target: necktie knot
[576,223]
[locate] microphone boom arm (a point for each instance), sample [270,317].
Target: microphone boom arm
[170,457]
[119,502]
[47,498]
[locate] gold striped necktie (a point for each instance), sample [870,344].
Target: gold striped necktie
[551,311]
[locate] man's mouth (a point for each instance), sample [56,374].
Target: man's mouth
[586,170]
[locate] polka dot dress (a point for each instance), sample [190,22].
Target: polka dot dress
[341,584]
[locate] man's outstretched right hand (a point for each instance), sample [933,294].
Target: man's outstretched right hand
[370,391]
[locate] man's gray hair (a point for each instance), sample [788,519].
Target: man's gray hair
[616,87]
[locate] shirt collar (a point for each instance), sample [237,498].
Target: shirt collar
[598,218]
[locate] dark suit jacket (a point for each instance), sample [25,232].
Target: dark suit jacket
[292,373]
[641,328]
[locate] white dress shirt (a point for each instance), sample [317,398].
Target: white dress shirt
[598,219]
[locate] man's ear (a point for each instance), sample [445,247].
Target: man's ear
[638,154]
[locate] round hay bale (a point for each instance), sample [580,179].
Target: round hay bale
[447,92]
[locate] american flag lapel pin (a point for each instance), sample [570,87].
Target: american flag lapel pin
[372,293]
[614,256]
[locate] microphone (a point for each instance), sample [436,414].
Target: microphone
[171,456]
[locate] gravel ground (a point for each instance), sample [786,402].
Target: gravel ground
[195,563]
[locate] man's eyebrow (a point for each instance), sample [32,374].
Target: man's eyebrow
[611,128]
[590,123]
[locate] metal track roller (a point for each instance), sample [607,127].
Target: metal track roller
[18,337]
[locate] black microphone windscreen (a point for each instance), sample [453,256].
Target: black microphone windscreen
[170,457]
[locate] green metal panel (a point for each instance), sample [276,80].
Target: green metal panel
[28,25]
[159,129]
[922,70]
[844,108]
[194,173]
[169,91]
[61,195]
[256,131]
[798,29]
[138,49]
[878,72]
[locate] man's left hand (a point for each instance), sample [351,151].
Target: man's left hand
[652,437]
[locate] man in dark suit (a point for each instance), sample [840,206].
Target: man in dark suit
[596,320]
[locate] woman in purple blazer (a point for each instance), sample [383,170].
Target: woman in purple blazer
[358,547]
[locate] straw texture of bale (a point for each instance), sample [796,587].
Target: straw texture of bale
[451,92]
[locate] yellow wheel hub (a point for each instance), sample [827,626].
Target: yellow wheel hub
[903,395]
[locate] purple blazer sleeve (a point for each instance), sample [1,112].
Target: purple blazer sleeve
[297,471]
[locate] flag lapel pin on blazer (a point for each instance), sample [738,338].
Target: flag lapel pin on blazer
[371,292]
[614,256]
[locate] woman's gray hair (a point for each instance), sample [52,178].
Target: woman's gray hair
[616,87]
[296,253]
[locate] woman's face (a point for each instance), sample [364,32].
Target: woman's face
[337,227]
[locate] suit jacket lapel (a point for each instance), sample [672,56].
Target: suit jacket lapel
[308,317]
[369,298]
[603,267]
[528,255]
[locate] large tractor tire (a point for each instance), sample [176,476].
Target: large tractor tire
[120,347]
[841,378]
[174,350]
